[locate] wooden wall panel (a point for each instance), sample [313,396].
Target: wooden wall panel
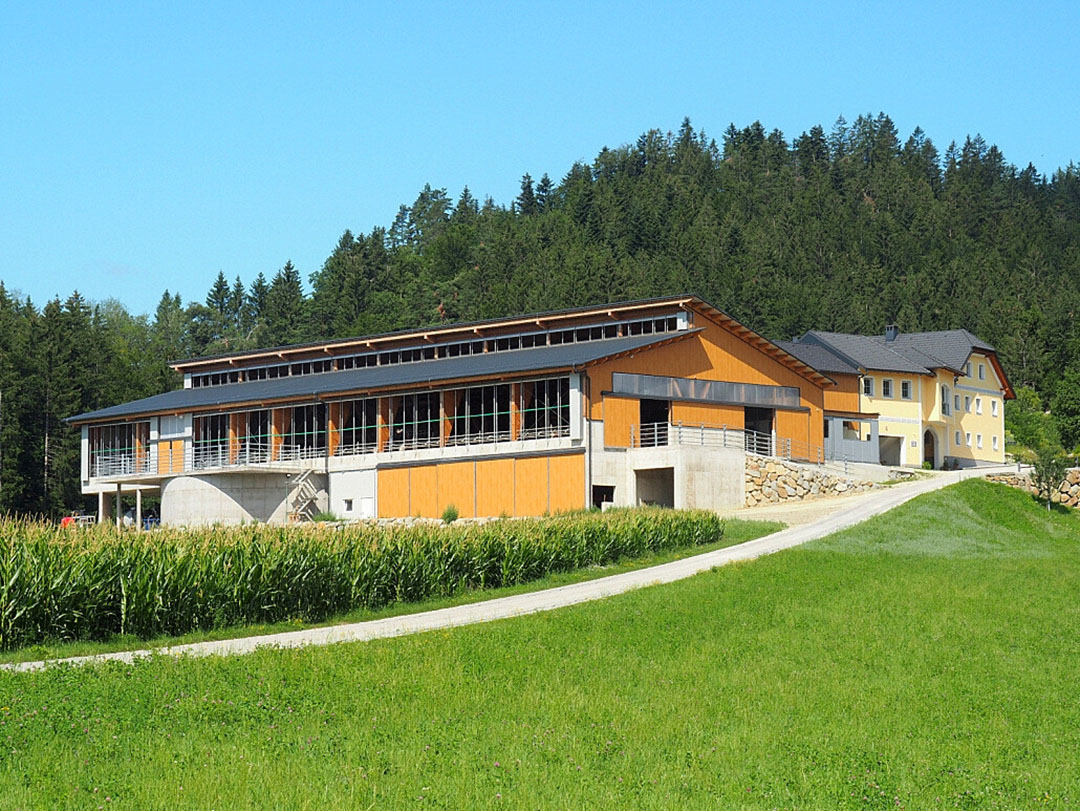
[714,354]
[619,414]
[706,414]
[171,456]
[424,491]
[531,485]
[845,397]
[393,489]
[567,483]
[794,425]
[495,487]
[456,487]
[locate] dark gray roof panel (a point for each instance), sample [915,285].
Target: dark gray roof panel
[818,356]
[869,353]
[381,377]
[951,348]
[419,330]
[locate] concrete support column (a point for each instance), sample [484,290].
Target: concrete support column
[119,506]
[104,507]
[138,509]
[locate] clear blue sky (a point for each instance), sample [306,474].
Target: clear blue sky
[147,148]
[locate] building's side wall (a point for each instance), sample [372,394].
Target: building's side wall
[708,414]
[977,395]
[845,396]
[620,415]
[517,486]
[899,417]
[230,499]
[713,354]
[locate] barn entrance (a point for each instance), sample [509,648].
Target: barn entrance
[929,443]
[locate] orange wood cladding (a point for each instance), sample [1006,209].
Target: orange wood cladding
[526,486]
[234,437]
[620,415]
[384,424]
[333,426]
[713,354]
[845,397]
[515,411]
[277,432]
[709,414]
[449,404]
[494,487]
[171,456]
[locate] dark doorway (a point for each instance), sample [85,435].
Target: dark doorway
[929,442]
[654,422]
[760,422]
[602,494]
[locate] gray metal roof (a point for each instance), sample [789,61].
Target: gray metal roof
[914,353]
[382,377]
[870,353]
[418,331]
[950,348]
[819,357]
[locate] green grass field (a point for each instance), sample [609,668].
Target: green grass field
[926,659]
[736,531]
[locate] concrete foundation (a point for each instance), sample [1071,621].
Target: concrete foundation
[233,498]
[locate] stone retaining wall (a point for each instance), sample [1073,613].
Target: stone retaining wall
[1068,494]
[770,480]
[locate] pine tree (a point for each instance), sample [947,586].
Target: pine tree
[285,316]
[526,201]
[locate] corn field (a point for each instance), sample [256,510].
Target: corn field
[63,584]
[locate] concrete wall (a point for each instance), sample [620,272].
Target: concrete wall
[231,498]
[705,477]
[355,489]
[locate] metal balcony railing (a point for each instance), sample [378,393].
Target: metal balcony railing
[658,434]
[123,463]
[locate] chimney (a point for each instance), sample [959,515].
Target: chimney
[891,332]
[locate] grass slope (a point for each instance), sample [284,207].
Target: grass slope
[906,663]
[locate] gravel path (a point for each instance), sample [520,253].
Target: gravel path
[825,517]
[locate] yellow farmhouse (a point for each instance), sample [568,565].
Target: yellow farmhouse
[937,397]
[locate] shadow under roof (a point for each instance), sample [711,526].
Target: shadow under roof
[375,378]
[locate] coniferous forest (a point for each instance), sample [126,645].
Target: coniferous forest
[848,229]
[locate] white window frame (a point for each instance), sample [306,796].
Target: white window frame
[956,403]
[868,387]
[993,408]
[978,441]
[967,405]
[967,368]
[967,438]
[982,371]
[905,385]
[978,405]
[945,401]
[994,441]
[887,387]
[959,443]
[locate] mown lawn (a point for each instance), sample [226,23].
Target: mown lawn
[926,659]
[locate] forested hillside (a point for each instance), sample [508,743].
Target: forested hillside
[847,230]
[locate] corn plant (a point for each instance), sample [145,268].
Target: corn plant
[64,584]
